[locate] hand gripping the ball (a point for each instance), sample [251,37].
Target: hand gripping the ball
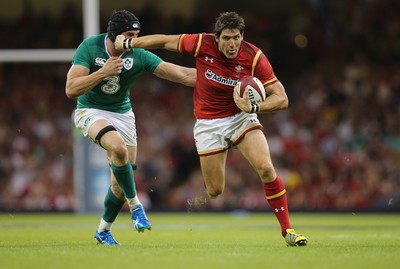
[249,92]
[242,102]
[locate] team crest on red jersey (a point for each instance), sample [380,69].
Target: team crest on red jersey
[239,68]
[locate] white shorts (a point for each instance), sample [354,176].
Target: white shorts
[124,123]
[217,135]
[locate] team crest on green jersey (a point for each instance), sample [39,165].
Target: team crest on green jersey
[128,63]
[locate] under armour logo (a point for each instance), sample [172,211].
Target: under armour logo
[211,60]
[279,209]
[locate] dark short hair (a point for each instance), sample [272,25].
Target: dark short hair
[121,21]
[228,20]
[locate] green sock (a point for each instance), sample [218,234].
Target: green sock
[124,176]
[112,206]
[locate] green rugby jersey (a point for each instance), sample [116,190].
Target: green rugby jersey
[112,94]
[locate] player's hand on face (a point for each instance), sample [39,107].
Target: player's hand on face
[242,102]
[119,40]
[113,66]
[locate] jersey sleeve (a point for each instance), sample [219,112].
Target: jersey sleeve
[150,61]
[82,55]
[189,43]
[264,71]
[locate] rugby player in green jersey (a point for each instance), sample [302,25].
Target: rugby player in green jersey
[100,78]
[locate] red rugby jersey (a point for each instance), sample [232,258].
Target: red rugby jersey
[217,75]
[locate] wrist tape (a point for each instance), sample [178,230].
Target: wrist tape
[127,43]
[255,108]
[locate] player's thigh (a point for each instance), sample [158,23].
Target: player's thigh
[110,139]
[254,147]
[213,169]
[96,127]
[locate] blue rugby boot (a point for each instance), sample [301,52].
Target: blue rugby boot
[139,219]
[105,238]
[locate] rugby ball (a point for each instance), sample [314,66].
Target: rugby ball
[256,89]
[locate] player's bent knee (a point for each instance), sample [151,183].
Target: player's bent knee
[120,150]
[266,170]
[213,194]
[213,188]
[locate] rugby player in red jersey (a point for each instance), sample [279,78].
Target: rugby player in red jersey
[224,119]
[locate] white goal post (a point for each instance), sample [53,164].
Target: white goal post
[91,173]
[91,22]
[36,55]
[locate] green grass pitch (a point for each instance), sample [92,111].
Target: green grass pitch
[198,240]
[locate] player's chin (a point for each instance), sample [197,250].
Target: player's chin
[231,56]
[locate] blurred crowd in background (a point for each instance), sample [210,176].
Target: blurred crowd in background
[337,147]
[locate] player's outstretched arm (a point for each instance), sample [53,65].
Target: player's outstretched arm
[157,41]
[176,73]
